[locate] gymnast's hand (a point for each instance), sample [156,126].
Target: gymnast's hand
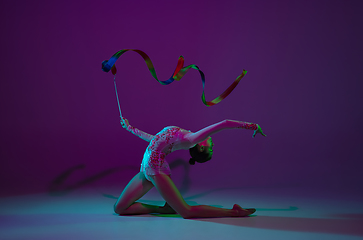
[124,123]
[259,130]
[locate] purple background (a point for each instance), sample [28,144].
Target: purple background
[59,120]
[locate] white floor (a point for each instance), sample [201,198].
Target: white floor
[282,213]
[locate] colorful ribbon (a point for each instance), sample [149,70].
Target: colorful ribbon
[179,72]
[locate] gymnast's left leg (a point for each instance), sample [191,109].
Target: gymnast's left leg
[135,189]
[171,195]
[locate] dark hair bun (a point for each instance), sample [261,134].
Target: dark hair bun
[191,161]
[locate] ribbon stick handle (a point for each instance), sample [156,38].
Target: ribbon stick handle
[118,101]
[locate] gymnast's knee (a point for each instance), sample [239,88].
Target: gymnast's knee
[119,209]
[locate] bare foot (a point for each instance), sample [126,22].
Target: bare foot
[167,209]
[243,212]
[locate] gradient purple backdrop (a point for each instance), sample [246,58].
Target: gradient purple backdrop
[303,86]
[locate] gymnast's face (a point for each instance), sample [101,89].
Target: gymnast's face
[206,146]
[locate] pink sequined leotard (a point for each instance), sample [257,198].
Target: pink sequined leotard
[166,141]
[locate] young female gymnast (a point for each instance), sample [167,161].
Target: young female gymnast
[155,171]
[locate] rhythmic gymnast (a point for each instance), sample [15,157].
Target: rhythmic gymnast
[155,171]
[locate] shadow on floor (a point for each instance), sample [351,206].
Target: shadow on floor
[58,186]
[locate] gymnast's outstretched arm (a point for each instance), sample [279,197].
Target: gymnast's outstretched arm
[203,134]
[143,135]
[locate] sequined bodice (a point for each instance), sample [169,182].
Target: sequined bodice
[166,141]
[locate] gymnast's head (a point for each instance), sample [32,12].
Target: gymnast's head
[202,152]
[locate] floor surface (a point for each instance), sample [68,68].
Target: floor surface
[282,213]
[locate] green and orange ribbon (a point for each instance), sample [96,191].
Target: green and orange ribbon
[179,72]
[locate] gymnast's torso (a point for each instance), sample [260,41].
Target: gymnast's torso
[168,140]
